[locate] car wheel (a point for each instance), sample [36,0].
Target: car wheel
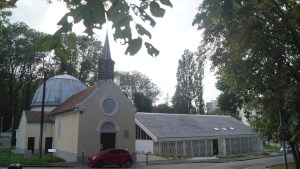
[128,163]
[99,164]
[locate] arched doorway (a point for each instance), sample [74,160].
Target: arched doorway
[107,131]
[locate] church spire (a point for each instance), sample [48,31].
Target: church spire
[105,63]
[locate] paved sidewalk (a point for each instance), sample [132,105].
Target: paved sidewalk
[155,160]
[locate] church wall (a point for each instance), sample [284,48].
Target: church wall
[21,134]
[27,130]
[33,130]
[66,135]
[92,117]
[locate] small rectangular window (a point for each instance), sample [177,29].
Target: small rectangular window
[126,134]
[45,128]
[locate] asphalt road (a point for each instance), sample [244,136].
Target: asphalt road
[260,163]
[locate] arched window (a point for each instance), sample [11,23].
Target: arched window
[107,126]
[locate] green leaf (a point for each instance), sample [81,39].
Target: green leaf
[123,30]
[61,53]
[72,42]
[118,13]
[44,45]
[97,11]
[151,50]
[134,46]
[166,2]
[144,4]
[156,10]
[63,20]
[66,27]
[140,12]
[77,13]
[142,31]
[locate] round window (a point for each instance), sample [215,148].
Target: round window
[109,106]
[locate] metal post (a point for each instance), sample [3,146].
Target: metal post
[283,140]
[42,117]
[284,155]
[1,127]
[147,159]
[82,158]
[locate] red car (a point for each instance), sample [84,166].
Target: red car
[110,157]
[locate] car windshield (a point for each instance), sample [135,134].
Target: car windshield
[103,152]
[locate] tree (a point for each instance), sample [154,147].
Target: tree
[18,65]
[141,102]
[189,90]
[89,51]
[123,16]
[163,108]
[134,82]
[254,45]
[198,78]
[81,63]
[228,101]
[5,13]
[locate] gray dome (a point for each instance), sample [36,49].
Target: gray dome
[58,89]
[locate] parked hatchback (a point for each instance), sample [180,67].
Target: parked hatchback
[110,157]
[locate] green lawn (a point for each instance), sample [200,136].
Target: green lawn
[8,157]
[271,149]
[281,166]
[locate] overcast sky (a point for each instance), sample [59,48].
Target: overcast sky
[171,36]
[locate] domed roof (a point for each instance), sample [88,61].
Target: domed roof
[58,89]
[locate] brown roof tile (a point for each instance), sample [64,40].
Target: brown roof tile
[70,104]
[35,117]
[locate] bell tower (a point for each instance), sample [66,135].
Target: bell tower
[105,63]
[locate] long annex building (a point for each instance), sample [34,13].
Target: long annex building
[194,135]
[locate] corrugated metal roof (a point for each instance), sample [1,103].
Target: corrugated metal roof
[185,125]
[58,89]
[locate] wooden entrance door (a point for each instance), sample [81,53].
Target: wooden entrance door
[48,144]
[30,144]
[108,140]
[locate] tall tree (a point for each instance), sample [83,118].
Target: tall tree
[18,63]
[228,101]
[189,90]
[135,82]
[5,13]
[255,47]
[163,108]
[142,103]
[81,63]
[198,78]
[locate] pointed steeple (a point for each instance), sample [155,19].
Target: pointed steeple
[105,63]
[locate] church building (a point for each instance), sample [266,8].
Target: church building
[80,120]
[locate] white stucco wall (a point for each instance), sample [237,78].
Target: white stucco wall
[20,135]
[144,146]
[65,139]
